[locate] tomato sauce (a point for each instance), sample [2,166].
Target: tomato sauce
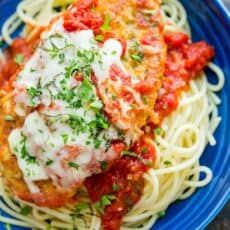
[184,62]
[124,180]
[81,17]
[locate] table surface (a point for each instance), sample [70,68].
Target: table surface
[222,221]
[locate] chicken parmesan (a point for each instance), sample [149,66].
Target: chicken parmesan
[83,96]
[88,101]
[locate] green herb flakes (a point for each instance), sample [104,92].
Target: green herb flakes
[161,214]
[106,24]
[26,210]
[116,187]
[19,59]
[9,118]
[24,152]
[2,43]
[137,57]
[158,131]
[73,165]
[96,105]
[99,38]
[135,46]
[49,162]
[104,165]
[96,143]
[65,138]
[167,163]
[33,93]
[79,208]
[129,153]
[7,226]
[144,150]
[103,202]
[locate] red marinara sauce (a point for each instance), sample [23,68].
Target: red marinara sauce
[81,16]
[184,62]
[124,181]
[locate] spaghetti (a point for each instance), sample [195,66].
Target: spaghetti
[179,142]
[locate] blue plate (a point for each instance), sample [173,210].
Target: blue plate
[210,21]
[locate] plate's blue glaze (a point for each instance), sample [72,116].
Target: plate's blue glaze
[210,21]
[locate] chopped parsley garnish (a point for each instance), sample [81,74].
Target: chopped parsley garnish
[82,63]
[25,210]
[96,143]
[65,138]
[85,91]
[104,165]
[7,226]
[66,95]
[24,153]
[9,118]
[167,163]
[96,105]
[145,99]
[56,51]
[99,38]
[79,208]
[2,43]
[144,150]
[177,201]
[49,162]
[32,70]
[137,57]
[158,131]
[103,202]
[87,142]
[75,122]
[40,130]
[19,59]
[106,25]
[129,153]
[61,58]
[135,53]
[73,165]
[114,97]
[33,93]
[161,214]
[135,46]
[100,122]
[116,187]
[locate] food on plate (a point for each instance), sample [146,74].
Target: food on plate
[99,101]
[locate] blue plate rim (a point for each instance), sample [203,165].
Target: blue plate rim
[224,10]
[226,198]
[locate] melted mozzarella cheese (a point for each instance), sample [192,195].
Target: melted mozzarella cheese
[110,53]
[50,137]
[31,171]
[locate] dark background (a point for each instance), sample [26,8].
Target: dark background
[222,221]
